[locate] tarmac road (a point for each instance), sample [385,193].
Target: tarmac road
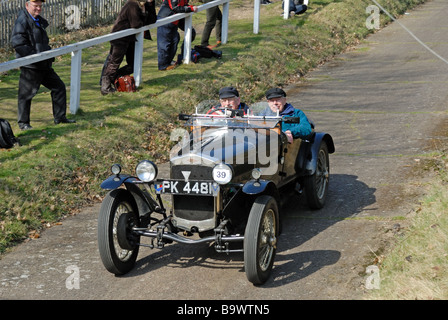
[382,102]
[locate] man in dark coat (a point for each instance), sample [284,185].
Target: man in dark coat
[134,14]
[29,37]
[168,35]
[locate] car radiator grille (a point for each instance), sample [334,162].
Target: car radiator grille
[196,172]
[191,208]
[194,208]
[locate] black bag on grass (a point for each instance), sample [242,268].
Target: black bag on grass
[7,138]
[208,53]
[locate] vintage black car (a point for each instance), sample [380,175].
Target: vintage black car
[227,174]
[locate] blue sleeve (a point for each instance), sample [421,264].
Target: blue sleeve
[298,130]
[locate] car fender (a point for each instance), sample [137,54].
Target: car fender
[306,161]
[255,186]
[261,186]
[114,182]
[265,187]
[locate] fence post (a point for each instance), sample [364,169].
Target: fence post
[225,22]
[138,58]
[187,38]
[286,9]
[256,16]
[75,81]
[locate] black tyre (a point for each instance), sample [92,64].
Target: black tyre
[260,239]
[316,185]
[116,243]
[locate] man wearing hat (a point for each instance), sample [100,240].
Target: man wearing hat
[29,37]
[277,102]
[229,98]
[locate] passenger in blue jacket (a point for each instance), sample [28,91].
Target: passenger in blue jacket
[277,101]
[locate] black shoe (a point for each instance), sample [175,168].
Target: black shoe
[63,120]
[25,126]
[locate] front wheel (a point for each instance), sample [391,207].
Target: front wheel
[260,239]
[116,243]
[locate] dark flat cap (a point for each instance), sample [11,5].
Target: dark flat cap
[228,92]
[275,93]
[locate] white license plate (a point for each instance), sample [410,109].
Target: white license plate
[200,188]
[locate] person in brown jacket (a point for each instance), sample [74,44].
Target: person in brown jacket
[134,14]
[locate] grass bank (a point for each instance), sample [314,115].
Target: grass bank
[58,169]
[416,268]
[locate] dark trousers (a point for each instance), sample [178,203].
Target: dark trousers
[29,83]
[214,18]
[115,58]
[297,8]
[167,41]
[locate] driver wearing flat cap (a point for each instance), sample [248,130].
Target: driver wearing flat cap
[229,98]
[277,102]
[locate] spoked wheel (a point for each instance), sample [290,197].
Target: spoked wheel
[260,239]
[316,185]
[117,244]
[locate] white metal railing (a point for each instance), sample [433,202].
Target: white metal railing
[76,49]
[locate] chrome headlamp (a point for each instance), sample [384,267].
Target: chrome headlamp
[116,169]
[256,173]
[222,173]
[146,171]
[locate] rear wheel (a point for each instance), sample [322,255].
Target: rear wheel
[118,246]
[260,239]
[316,185]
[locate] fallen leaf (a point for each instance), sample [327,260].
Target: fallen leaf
[33,234]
